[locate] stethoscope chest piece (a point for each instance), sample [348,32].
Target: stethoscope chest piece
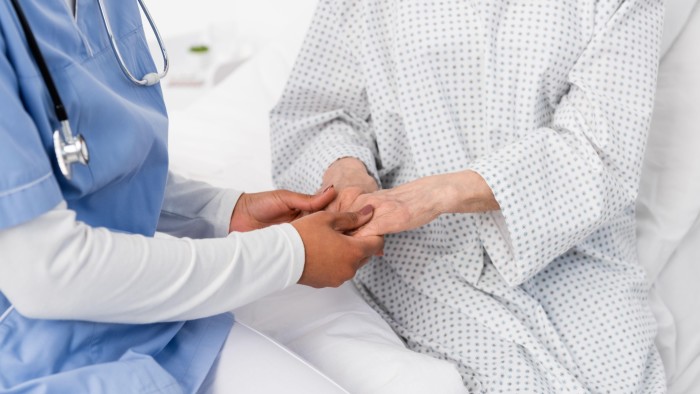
[69,150]
[72,149]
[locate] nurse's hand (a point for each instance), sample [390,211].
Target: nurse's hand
[332,256]
[258,210]
[351,180]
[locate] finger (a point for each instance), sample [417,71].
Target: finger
[347,221]
[373,228]
[361,263]
[372,246]
[323,199]
[308,203]
[368,230]
[363,233]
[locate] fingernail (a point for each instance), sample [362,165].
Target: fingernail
[327,189]
[366,210]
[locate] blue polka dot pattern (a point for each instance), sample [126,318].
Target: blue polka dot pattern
[550,101]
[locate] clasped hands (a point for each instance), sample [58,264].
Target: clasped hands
[332,255]
[410,205]
[343,226]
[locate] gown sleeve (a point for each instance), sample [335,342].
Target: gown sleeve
[557,184]
[28,187]
[323,114]
[195,209]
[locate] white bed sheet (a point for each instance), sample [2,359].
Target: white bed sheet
[668,209]
[250,362]
[223,139]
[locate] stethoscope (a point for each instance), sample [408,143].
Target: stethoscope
[69,148]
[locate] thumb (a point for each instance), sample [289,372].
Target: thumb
[321,200]
[347,221]
[366,231]
[309,203]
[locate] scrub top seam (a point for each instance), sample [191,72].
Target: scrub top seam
[107,47]
[161,389]
[26,185]
[167,212]
[83,59]
[197,352]
[6,313]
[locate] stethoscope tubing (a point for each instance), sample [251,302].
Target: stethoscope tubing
[59,109]
[70,149]
[115,47]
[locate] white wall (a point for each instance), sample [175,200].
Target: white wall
[260,20]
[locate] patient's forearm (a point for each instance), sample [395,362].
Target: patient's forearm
[465,192]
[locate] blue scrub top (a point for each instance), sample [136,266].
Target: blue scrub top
[125,127]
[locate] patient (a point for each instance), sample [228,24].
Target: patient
[507,138]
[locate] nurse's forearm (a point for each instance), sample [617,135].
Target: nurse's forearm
[195,209]
[73,271]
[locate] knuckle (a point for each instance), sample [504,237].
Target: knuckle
[337,282]
[348,272]
[363,262]
[280,194]
[352,217]
[349,275]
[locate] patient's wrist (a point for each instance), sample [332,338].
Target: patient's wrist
[467,192]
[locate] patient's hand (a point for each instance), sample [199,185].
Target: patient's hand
[399,209]
[332,257]
[350,178]
[258,210]
[417,203]
[349,172]
[345,200]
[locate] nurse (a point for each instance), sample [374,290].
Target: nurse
[90,301]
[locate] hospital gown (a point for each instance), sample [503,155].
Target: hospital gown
[550,101]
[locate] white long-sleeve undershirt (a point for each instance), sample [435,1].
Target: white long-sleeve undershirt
[55,267]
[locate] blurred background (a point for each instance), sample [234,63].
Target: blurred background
[209,39]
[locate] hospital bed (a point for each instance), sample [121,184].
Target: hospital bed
[223,139]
